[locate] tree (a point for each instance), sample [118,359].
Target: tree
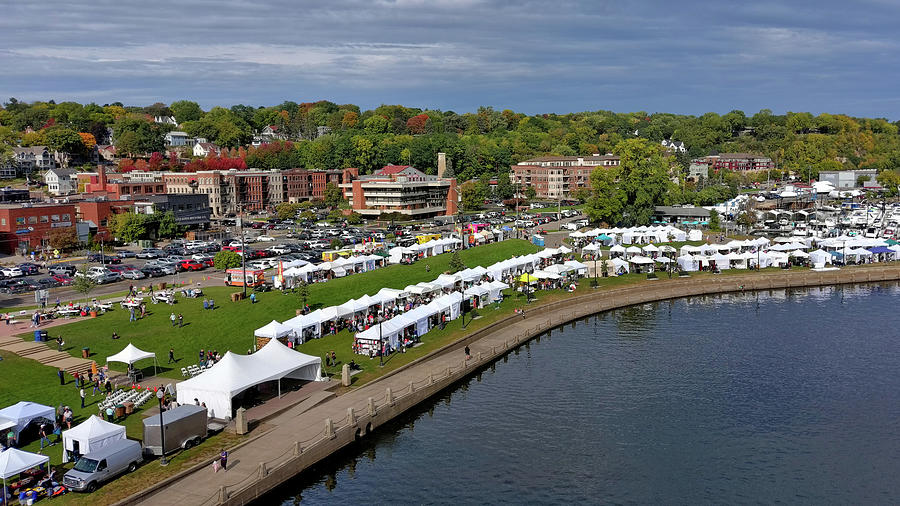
[505,188]
[186,110]
[303,292]
[336,216]
[354,218]
[890,181]
[336,243]
[333,195]
[746,219]
[129,227]
[64,140]
[713,220]
[168,227]
[628,193]
[82,283]
[470,197]
[530,193]
[226,260]
[63,238]
[456,263]
[286,210]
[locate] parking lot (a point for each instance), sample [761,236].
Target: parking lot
[267,243]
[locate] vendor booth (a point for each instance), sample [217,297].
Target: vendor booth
[92,434]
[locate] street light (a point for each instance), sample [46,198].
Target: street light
[243,249]
[380,345]
[162,428]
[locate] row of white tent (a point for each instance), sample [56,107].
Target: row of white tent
[525,263]
[390,331]
[339,267]
[430,248]
[638,235]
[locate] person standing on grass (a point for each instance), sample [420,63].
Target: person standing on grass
[171,355]
[173,318]
[131,318]
[62,377]
[81,393]
[180,320]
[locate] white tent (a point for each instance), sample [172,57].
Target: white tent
[92,434]
[273,330]
[23,412]
[619,265]
[13,461]
[132,354]
[235,373]
[496,287]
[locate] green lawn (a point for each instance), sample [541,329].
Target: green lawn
[230,326]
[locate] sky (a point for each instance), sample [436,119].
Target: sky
[553,56]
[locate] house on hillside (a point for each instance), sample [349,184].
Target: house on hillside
[60,181]
[165,120]
[176,138]
[204,149]
[674,146]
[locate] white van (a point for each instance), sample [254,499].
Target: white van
[104,464]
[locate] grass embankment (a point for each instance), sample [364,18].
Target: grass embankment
[230,326]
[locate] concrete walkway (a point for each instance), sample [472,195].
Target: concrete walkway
[43,352]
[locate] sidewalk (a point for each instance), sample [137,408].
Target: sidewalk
[43,352]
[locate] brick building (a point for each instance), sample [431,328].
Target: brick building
[740,162]
[558,177]
[402,189]
[115,186]
[24,227]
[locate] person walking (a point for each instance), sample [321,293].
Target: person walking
[180,320]
[131,318]
[223,459]
[468,353]
[171,355]
[97,388]
[44,438]
[333,358]
[62,376]
[81,392]
[77,379]
[173,318]
[8,318]
[143,310]
[59,343]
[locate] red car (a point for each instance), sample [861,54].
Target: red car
[192,265]
[62,279]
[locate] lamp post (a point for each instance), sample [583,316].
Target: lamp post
[162,428]
[243,250]
[380,345]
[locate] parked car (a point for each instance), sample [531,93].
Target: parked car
[150,253]
[153,271]
[29,268]
[46,283]
[105,259]
[62,269]
[186,426]
[133,274]
[19,286]
[12,272]
[192,265]
[104,464]
[265,238]
[124,253]
[62,279]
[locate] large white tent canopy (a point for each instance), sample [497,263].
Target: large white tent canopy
[23,412]
[274,330]
[92,434]
[236,373]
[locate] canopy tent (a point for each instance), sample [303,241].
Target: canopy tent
[235,373]
[618,248]
[274,330]
[578,267]
[496,288]
[132,354]
[300,323]
[23,412]
[590,248]
[92,434]
[527,278]
[13,461]
[539,274]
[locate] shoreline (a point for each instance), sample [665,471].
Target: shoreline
[301,440]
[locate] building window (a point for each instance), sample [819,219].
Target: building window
[45,219]
[32,220]
[54,218]
[3,221]
[66,217]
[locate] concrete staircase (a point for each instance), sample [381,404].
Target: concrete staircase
[45,355]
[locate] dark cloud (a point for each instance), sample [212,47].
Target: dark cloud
[687,57]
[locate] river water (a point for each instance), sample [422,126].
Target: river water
[782,396]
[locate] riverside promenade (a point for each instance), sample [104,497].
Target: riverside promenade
[316,428]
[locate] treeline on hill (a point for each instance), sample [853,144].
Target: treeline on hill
[483,142]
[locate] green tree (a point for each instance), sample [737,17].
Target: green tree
[226,260]
[82,283]
[333,195]
[530,193]
[168,227]
[336,243]
[63,239]
[628,193]
[470,197]
[505,188]
[354,218]
[746,219]
[890,181]
[64,140]
[456,263]
[129,227]
[303,292]
[335,216]
[286,210]
[186,110]
[714,220]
